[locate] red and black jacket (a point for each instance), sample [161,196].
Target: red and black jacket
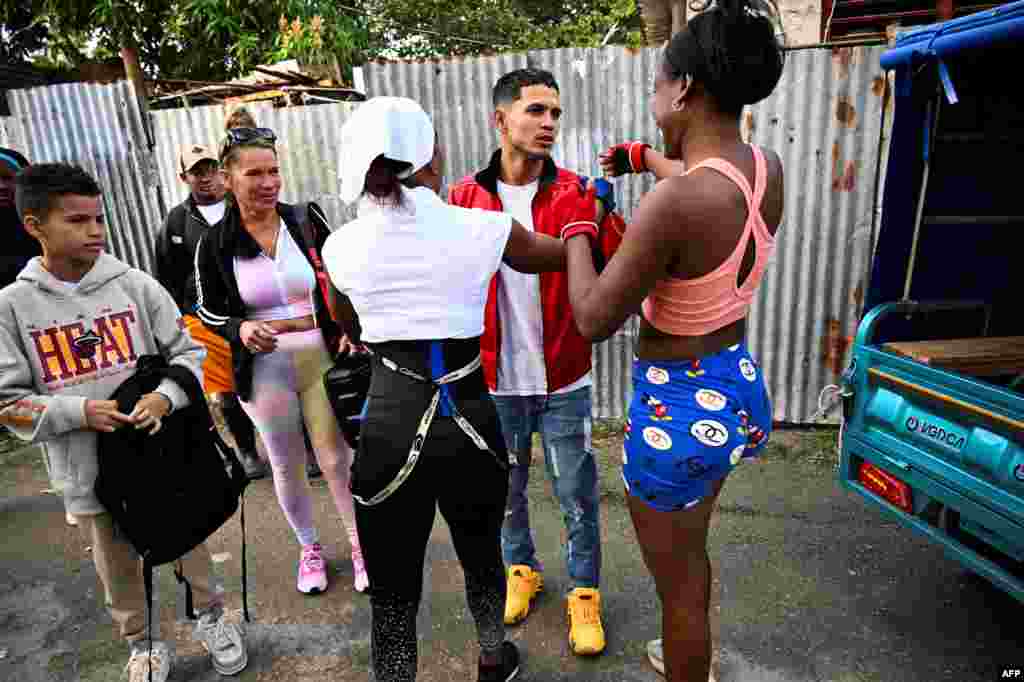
[566,352]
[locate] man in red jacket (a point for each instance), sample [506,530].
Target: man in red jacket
[535,360]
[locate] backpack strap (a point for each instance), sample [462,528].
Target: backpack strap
[190,611]
[245,581]
[147,580]
[301,213]
[238,475]
[241,480]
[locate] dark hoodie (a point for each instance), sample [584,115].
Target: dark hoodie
[175,253]
[19,246]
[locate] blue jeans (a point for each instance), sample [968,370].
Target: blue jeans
[563,422]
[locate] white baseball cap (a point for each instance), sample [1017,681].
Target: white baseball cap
[395,127]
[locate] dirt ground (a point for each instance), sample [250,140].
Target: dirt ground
[810,585]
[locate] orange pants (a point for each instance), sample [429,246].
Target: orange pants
[217,375]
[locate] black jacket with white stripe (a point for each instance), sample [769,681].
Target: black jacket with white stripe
[220,306]
[176,251]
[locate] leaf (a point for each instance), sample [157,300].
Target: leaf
[220,39]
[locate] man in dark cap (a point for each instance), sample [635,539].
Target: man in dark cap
[203,210]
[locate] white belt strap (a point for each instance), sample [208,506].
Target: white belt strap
[425,421]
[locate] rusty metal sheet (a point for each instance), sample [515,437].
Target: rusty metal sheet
[824,120]
[100,128]
[309,140]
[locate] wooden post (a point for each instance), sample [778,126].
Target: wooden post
[336,70]
[133,72]
[662,19]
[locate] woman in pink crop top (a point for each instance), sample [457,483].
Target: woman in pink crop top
[257,286]
[691,263]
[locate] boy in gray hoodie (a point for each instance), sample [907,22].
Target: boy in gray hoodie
[72,327]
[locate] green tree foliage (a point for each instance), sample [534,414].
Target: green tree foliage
[222,39]
[312,31]
[434,28]
[20,34]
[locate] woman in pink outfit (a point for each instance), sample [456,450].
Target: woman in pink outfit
[257,281]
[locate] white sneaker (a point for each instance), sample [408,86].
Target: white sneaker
[224,642]
[656,655]
[138,666]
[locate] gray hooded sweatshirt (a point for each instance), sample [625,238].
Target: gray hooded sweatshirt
[63,343]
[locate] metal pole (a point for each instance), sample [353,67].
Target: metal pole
[932,115]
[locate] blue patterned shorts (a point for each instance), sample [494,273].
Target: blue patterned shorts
[690,423]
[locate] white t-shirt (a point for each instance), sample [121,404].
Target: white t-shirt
[521,367]
[213,213]
[417,272]
[70,288]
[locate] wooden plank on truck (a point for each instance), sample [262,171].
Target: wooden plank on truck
[980,357]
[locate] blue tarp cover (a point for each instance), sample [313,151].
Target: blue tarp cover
[971,57]
[992,27]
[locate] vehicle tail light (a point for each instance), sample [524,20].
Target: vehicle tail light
[885,485]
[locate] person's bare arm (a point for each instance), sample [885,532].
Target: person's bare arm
[348,319]
[662,166]
[527,251]
[613,163]
[601,304]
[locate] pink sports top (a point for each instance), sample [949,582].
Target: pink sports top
[695,307]
[277,288]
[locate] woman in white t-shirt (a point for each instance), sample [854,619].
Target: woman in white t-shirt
[416,271]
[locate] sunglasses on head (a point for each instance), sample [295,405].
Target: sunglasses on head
[237,136]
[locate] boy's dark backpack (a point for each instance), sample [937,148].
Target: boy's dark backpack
[169,492]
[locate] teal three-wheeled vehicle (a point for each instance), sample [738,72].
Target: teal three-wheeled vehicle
[933,398]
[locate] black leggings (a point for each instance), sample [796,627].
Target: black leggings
[467,484]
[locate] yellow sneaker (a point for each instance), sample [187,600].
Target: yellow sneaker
[523,585]
[586,634]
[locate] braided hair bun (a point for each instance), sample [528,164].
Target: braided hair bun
[732,48]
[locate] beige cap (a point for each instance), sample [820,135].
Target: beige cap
[193,154]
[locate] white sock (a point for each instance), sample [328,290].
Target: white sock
[307,536]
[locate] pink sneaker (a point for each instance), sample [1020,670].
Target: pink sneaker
[362,580]
[312,570]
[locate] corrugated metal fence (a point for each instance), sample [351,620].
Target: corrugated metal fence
[309,148]
[10,133]
[100,128]
[824,121]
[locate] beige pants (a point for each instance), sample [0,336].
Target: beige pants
[120,570]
